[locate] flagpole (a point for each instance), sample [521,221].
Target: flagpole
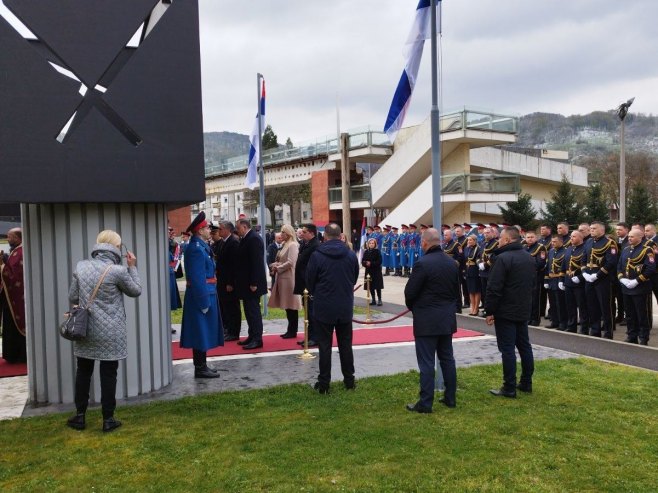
[261,179]
[436,154]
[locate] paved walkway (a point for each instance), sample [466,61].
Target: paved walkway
[247,371]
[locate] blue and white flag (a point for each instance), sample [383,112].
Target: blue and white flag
[420,31]
[255,144]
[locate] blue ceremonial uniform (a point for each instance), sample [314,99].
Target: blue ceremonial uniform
[200,331]
[637,264]
[395,251]
[386,251]
[403,239]
[601,259]
[413,248]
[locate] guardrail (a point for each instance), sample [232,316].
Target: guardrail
[480,183]
[358,193]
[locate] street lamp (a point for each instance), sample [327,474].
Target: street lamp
[621,113]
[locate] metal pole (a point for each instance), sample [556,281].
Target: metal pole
[345,185]
[622,178]
[434,121]
[261,178]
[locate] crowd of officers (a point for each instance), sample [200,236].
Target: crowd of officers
[588,280]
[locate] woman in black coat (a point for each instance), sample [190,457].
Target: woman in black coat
[372,261]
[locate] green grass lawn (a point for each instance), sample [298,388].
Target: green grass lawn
[589,426]
[272,314]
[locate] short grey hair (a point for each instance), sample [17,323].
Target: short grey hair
[431,236]
[227,225]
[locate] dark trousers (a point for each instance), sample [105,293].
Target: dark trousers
[14,348]
[543,297]
[483,283]
[254,318]
[511,334]
[576,302]
[618,299]
[83,375]
[199,359]
[293,321]
[464,287]
[325,332]
[535,317]
[426,349]
[601,307]
[557,309]
[229,306]
[638,316]
[374,292]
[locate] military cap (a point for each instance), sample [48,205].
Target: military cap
[412,226]
[198,223]
[480,225]
[445,226]
[404,226]
[467,226]
[493,225]
[424,226]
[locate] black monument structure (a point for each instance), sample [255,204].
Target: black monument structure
[99,134]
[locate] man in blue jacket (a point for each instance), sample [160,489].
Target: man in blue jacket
[201,329]
[331,275]
[430,294]
[507,306]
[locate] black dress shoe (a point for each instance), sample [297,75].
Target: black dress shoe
[322,389]
[503,392]
[632,340]
[372,303]
[110,424]
[205,373]
[231,338]
[253,345]
[311,343]
[211,369]
[289,335]
[524,387]
[350,385]
[76,422]
[415,408]
[244,342]
[623,322]
[379,303]
[644,342]
[447,402]
[551,326]
[534,323]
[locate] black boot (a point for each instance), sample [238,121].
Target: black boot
[77,422]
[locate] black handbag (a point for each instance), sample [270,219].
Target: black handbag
[74,327]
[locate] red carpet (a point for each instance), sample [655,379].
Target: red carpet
[7,370]
[273,343]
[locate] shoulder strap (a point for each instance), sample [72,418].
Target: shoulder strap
[100,281]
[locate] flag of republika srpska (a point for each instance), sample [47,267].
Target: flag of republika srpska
[255,142]
[420,31]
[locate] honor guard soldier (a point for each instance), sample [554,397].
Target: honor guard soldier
[414,246]
[486,259]
[621,229]
[652,241]
[395,252]
[460,238]
[637,265]
[454,250]
[545,235]
[404,250]
[574,283]
[554,284]
[386,250]
[538,252]
[600,264]
[377,234]
[423,228]
[563,231]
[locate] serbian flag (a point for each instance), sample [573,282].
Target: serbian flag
[420,31]
[255,144]
[363,238]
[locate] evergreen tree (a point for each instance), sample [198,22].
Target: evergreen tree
[564,205]
[289,143]
[269,139]
[596,208]
[520,212]
[641,206]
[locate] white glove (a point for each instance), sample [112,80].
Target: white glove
[575,280]
[624,281]
[632,284]
[204,310]
[587,276]
[481,265]
[546,285]
[560,285]
[593,277]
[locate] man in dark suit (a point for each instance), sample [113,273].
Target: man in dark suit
[309,244]
[430,294]
[251,281]
[508,305]
[331,275]
[226,255]
[272,251]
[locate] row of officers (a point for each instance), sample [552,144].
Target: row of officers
[591,281]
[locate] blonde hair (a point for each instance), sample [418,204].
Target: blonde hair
[109,236]
[290,232]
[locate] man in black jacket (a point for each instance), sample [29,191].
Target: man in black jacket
[331,275]
[226,255]
[507,305]
[430,294]
[309,244]
[251,281]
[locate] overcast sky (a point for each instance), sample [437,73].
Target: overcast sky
[508,56]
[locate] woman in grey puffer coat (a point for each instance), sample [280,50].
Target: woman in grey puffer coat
[107,334]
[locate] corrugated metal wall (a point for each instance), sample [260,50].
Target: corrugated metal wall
[55,238]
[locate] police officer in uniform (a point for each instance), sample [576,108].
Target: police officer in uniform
[538,252]
[554,284]
[545,235]
[599,269]
[652,241]
[486,259]
[574,283]
[460,238]
[563,231]
[637,265]
[201,328]
[618,298]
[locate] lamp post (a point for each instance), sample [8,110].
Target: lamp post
[622,111]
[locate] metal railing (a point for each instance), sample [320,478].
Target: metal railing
[366,137]
[358,193]
[480,183]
